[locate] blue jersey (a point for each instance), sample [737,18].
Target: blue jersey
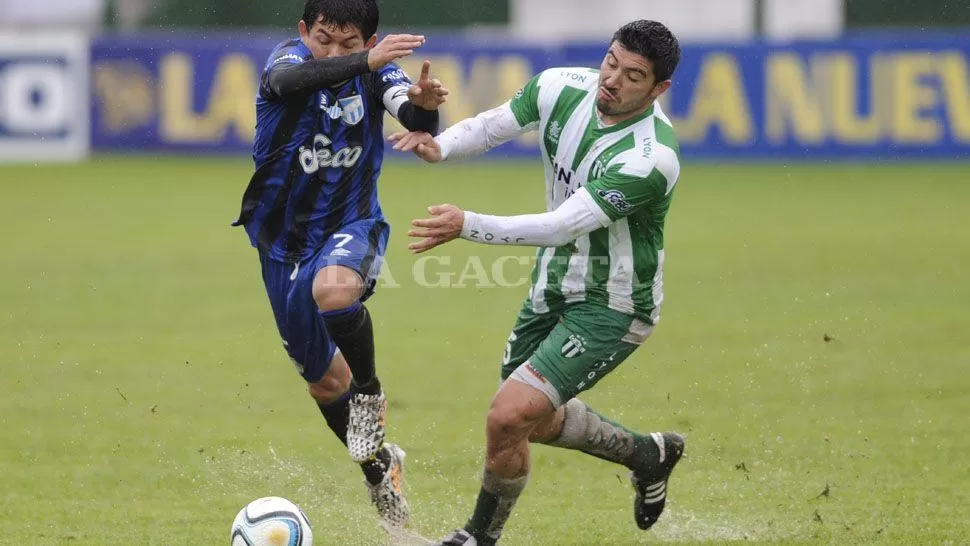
[317,156]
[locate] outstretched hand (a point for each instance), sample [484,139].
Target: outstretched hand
[444,225]
[392,48]
[422,144]
[427,92]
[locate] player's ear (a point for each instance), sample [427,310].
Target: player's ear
[370,42]
[661,88]
[304,31]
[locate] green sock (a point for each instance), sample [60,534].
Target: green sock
[494,506]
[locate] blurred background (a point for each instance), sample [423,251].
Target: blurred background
[760,78]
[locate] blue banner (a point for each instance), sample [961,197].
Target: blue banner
[859,97]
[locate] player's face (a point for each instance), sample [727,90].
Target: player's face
[627,83]
[329,40]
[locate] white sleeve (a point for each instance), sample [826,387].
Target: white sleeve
[394,97]
[474,136]
[576,217]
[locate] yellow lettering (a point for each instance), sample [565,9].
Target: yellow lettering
[177,121]
[719,100]
[126,93]
[911,96]
[791,98]
[849,125]
[230,100]
[881,81]
[956,92]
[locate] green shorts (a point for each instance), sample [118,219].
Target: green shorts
[566,351]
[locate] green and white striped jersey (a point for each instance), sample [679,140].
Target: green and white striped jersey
[630,170]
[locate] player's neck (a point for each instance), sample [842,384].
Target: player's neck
[608,120]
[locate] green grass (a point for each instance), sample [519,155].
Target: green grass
[146,397]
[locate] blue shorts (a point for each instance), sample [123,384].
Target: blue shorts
[359,246]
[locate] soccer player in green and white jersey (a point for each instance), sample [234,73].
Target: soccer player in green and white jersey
[611,163]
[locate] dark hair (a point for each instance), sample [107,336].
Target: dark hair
[362,14]
[652,41]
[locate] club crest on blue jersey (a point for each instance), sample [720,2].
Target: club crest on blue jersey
[334,112]
[352,109]
[317,156]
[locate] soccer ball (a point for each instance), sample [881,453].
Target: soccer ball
[271,521]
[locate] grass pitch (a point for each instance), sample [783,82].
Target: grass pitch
[813,347]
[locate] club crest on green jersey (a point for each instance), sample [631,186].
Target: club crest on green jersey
[553,132]
[573,347]
[598,169]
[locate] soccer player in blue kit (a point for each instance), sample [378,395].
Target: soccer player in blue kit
[312,212]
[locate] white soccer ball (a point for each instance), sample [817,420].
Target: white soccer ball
[271,521]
